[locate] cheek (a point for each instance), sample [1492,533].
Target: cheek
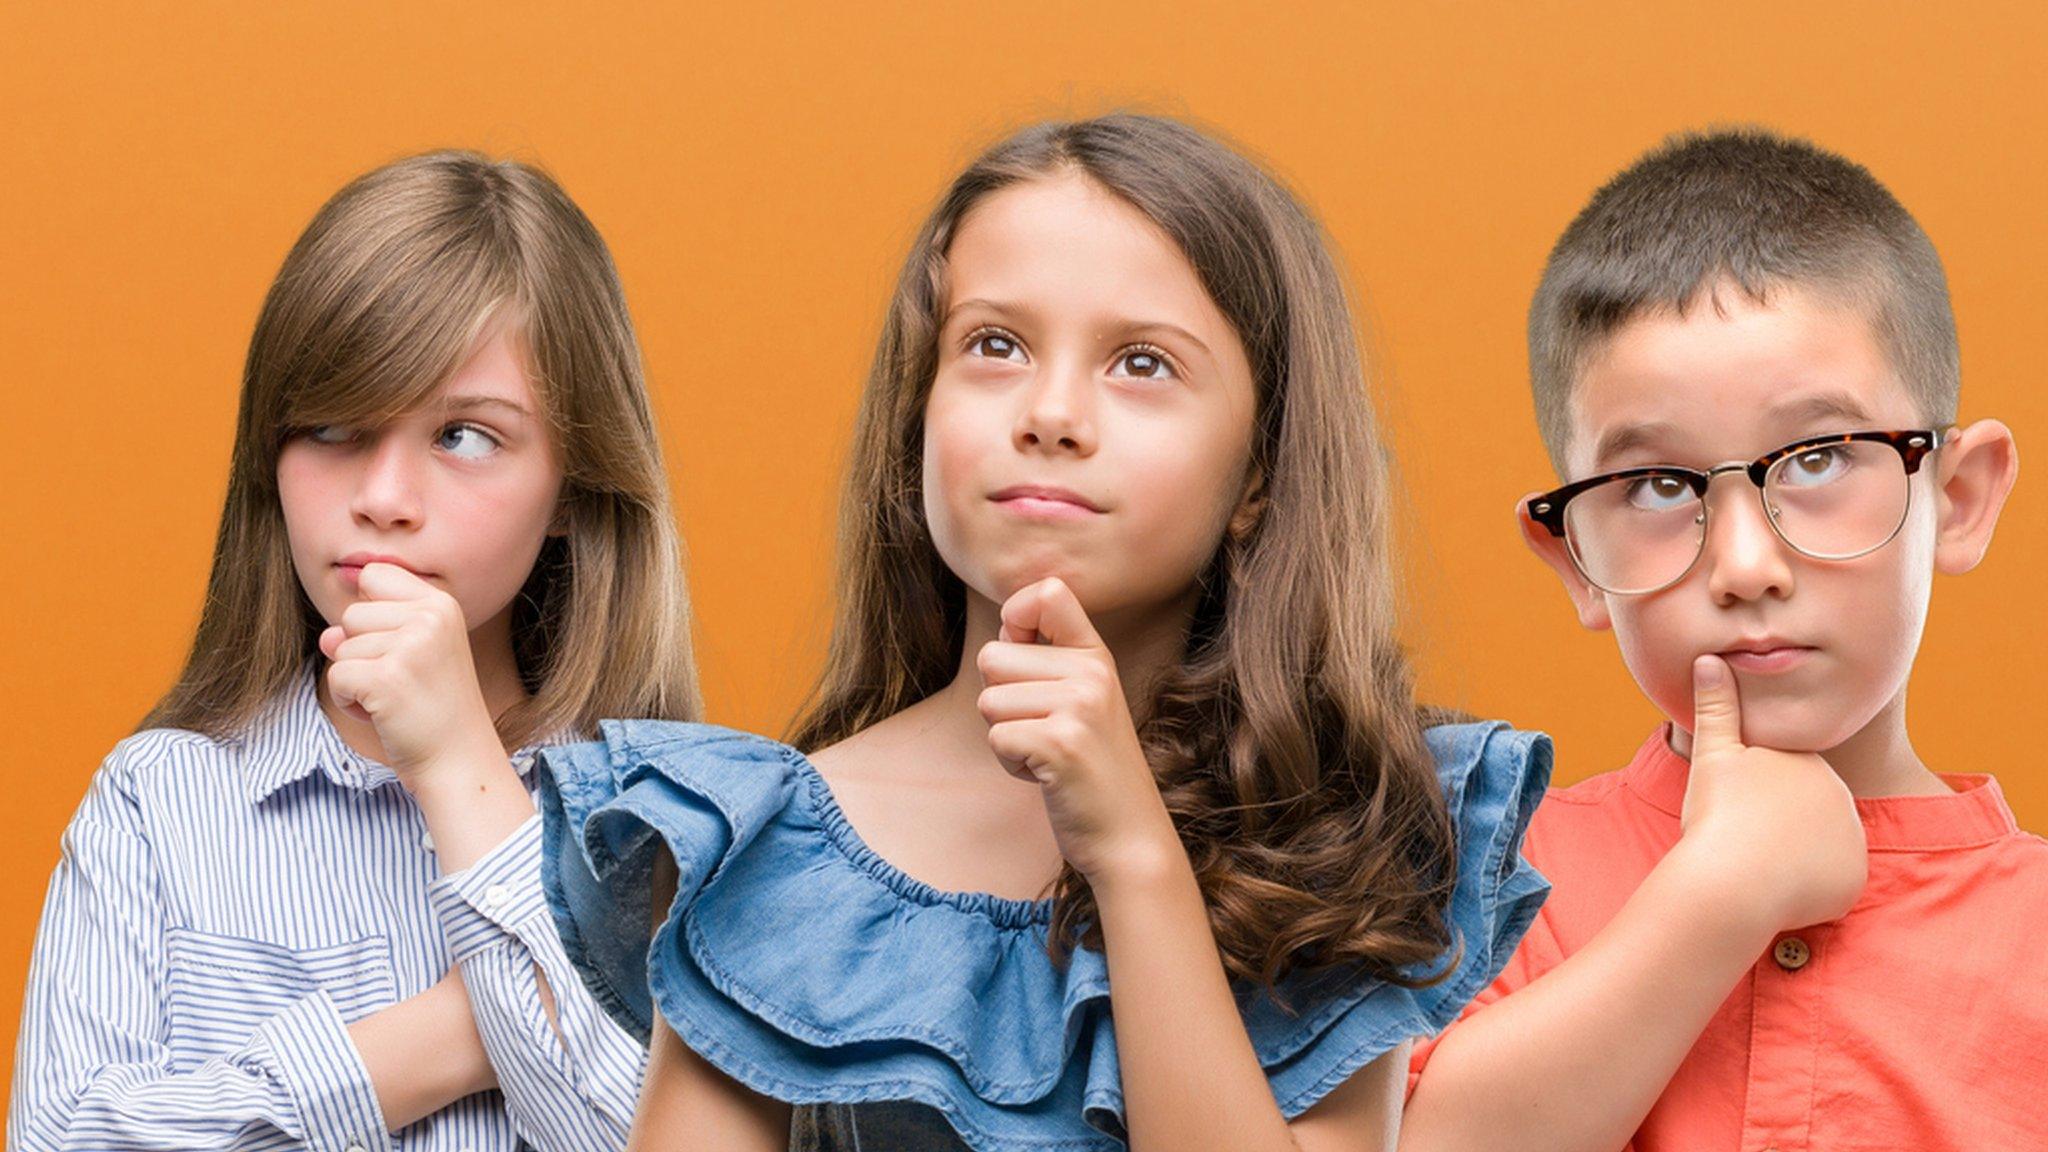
[504,521]
[1648,632]
[954,446]
[307,494]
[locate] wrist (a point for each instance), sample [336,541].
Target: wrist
[475,763]
[1725,899]
[1143,868]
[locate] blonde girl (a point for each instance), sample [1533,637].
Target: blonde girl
[288,913]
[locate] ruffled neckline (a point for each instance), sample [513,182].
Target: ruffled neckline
[805,965]
[1005,912]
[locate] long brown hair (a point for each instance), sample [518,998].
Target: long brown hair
[1286,743]
[375,306]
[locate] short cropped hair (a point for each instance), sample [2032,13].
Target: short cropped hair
[1753,209]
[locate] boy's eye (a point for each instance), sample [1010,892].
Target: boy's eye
[1143,363]
[995,345]
[467,441]
[1814,467]
[1658,493]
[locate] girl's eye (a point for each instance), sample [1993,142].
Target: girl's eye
[995,345]
[1143,363]
[1658,493]
[1814,467]
[467,441]
[330,434]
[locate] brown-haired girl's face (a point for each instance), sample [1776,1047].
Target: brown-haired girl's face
[1092,411]
[460,491]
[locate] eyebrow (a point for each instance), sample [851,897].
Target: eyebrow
[472,403]
[1122,326]
[1626,438]
[1826,405]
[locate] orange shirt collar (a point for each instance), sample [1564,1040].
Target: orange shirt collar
[1973,813]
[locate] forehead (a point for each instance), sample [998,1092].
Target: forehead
[1730,379]
[1066,242]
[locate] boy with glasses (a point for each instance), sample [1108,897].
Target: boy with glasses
[1745,363]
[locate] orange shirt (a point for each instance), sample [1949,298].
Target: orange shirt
[1918,1021]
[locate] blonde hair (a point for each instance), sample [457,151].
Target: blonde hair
[1286,744]
[375,306]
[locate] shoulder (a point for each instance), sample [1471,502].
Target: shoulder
[720,764]
[159,757]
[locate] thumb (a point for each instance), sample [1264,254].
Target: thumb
[330,639]
[1716,709]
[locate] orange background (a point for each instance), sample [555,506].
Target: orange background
[758,171]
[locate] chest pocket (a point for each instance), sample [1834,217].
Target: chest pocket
[219,988]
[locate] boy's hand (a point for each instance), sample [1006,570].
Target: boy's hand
[1057,716]
[1779,830]
[401,660]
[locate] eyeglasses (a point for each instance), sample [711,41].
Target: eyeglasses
[1641,530]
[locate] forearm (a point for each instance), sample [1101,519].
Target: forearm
[568,1072]
[1614,1021]
[422,1054]
[1191,1080]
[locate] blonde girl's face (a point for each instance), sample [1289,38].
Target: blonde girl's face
[1092,412]
[461,491]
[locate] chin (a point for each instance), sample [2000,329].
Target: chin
[1800,727]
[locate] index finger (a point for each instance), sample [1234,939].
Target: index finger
[1048,611]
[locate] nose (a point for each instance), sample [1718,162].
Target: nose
[387,494]
[1058,413]
[1745,558]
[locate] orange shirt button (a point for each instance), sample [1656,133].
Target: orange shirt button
[1791,953]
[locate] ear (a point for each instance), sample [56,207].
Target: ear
[1974,470]
[558,524]
[1250,506]
[1590,602]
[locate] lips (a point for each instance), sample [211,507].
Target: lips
[1766,655]
[351,565]
[1045,500]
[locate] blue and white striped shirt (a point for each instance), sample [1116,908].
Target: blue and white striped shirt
[223,910]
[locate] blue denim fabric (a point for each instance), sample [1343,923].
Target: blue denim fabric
[806,967]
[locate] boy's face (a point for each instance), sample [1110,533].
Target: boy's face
[1819,648]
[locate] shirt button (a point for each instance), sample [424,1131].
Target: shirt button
[1791,953]
[427,841]
[495,897]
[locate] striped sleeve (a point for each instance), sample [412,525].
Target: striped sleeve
[568,1084]
[92,1069]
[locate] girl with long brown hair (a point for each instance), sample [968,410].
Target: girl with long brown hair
[1117,821]
[291,911]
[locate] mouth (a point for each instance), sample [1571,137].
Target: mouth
[351,566]
[1045,502]
[1766,656]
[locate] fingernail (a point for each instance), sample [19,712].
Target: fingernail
[1708,672]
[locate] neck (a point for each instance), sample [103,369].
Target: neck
[1877,761]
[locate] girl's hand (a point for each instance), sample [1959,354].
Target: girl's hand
[1779,830]
[401,660]
[1057,716]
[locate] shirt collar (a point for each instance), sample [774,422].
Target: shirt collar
[1974,811]
[291,738]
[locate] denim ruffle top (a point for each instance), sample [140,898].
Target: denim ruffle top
[803,965]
